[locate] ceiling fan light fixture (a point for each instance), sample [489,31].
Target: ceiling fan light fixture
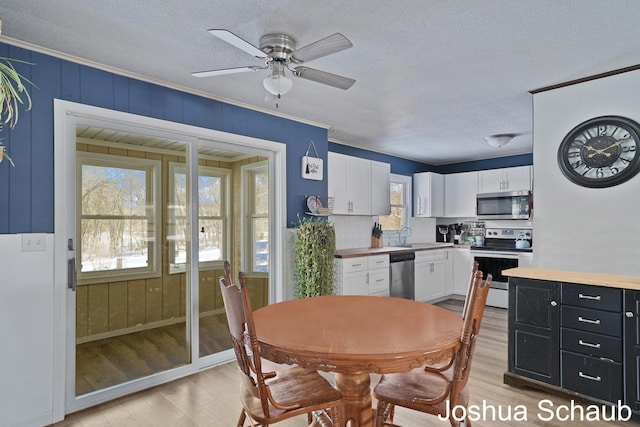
[277,83]
[499,140]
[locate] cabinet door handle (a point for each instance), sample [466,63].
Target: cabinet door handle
[553,303]
[589,377]
[591,297]
[629,314]
[382,280]
[593,322]
[588,344]
[419,206]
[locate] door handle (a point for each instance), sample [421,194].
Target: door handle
[71,274]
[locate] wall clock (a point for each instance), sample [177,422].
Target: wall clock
[601,152]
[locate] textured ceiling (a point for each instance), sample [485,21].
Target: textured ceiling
[433,77]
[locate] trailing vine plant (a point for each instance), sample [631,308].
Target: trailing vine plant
[13,94]
[315,249]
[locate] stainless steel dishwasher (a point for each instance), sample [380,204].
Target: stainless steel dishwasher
[401,283]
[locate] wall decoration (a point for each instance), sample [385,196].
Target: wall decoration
[312,167]
[601,152]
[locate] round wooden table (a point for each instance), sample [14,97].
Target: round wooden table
[354,336]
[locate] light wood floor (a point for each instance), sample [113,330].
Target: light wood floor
[210,398]
[111,361]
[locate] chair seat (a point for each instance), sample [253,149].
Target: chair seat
[400,389]
[295,386]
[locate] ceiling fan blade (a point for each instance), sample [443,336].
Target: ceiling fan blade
[236,41]
[323,47]
[224,71]
[323,77]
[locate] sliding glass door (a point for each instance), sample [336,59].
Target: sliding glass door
[132,247]
[147,212]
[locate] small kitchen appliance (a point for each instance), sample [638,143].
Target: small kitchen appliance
[504,205]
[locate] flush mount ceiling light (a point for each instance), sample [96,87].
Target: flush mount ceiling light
[499,140]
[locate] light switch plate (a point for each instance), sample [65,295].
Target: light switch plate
[34,242]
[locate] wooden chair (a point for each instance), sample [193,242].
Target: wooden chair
[270,397]
[431,389]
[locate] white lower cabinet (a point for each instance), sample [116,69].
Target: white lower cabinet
[365,275]
[430,274]
[461,270]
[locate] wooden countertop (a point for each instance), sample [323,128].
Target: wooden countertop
[597,279]
[358,252]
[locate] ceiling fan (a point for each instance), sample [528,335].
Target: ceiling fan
[279,54]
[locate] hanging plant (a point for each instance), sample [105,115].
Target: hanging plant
[13,94]
[315,249]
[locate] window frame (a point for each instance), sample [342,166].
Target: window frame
[153,169]
[406,180]
[211,171]
[248,203]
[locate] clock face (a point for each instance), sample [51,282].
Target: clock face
[601,152]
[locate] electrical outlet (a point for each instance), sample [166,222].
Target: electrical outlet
[33,242]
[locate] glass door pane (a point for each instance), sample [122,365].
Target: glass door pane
[229,230]
[131,316]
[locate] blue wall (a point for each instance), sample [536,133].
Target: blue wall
[27,191]
[398,165]
[496,163]
[408,167]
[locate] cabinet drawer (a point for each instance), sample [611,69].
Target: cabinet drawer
[377,261]
[351,265]
[592,377]
[590,344]
[430,255]
[378,281]
[585,319]
[596,297]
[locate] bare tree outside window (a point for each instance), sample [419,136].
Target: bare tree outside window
[400,200]
[211,215]
[116,215]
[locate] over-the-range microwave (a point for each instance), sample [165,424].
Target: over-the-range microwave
[504,205]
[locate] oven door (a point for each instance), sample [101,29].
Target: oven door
[493,262]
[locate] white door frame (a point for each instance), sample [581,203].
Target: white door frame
[66,116]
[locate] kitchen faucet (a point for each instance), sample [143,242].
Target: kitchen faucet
[402,241]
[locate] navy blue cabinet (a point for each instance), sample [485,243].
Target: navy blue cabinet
[534,329]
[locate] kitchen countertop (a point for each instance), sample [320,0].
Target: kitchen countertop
[596,279]
[415,247]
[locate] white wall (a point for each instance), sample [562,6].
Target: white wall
[578,228]
[26,332]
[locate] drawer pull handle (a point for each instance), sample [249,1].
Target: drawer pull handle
[588,344]
[356,265]
[589,377]
[380,280]
[593,322]
[595,298]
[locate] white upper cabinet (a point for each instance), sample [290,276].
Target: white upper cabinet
[358,186]
[380,195]
[506,179]
[428,194]
[460,194]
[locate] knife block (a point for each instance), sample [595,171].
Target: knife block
[376,242]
